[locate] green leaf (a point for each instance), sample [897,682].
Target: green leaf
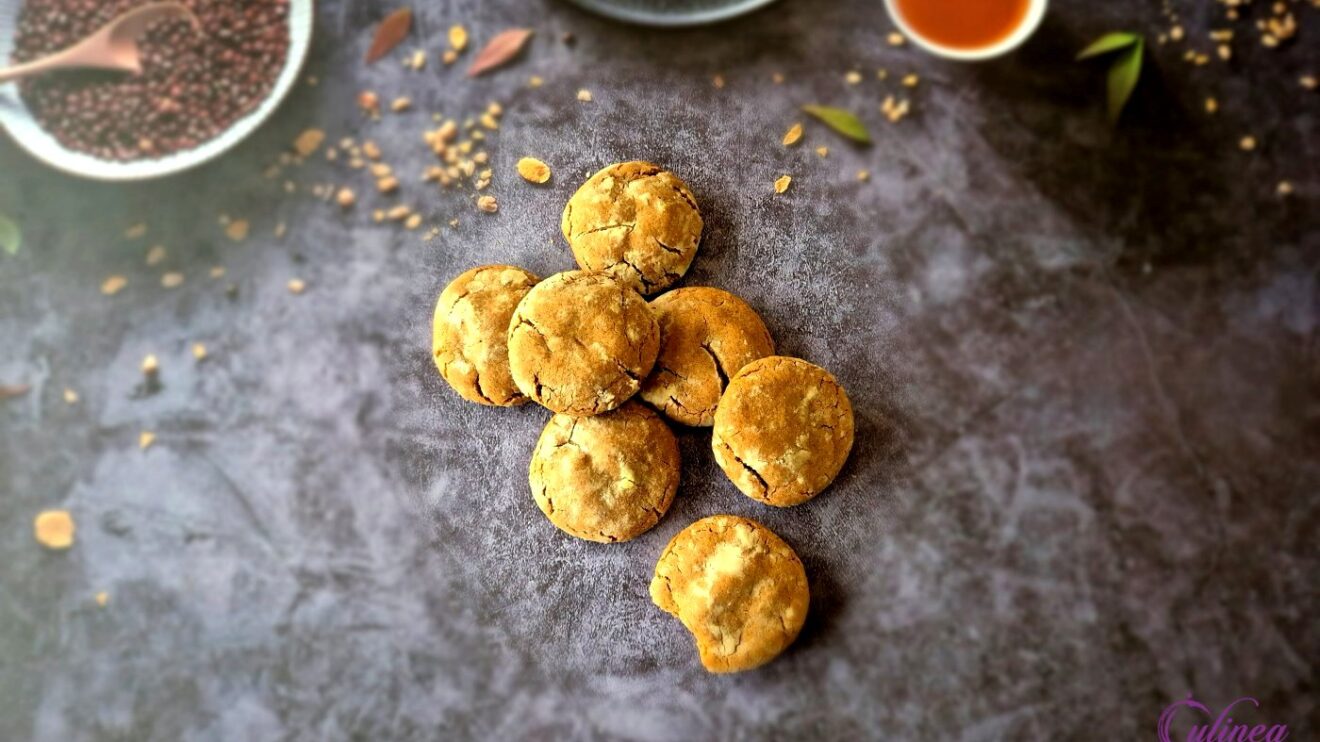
[1110,42]
[11,237]
[1123,76]
[841,121]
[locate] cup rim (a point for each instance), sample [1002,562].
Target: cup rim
[1035,13]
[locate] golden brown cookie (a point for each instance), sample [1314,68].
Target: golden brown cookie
[783,429]
[706,336]
[469,334]
[581,343]
[606,478]
[636,221]
[737,587]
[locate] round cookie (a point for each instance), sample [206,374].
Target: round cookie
[783,429]
[468,335]
[737,587]
[606,478]
[706,336]
[581,343]
[635,221]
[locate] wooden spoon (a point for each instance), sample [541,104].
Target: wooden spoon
[113,47]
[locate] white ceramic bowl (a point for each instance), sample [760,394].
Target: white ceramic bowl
[28,134]
[1035,12]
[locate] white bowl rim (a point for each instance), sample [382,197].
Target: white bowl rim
[82,165]
[1035,13]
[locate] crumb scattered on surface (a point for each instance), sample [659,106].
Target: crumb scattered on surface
[136,232]
[199,351]
[1247,143]
[1211,105]
[296,286]
[102,599]
[584,95]
[145,439]
[150,365]
[533,170]
[718,81]
[156,255]
[852,77]
[910,81]
[1285,188]
[237,230]
[345,197]
[863,175]
[308,142]
[823,151]
[793,135]
[458,38]
[171,280]
[70,396]
[488,204]
[54,529]
[783,183]
[895,39]
[113,285]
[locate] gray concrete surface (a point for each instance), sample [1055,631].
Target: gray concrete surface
[1084,364]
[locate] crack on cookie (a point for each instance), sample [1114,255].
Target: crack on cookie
[683,195]
[628,225]
[719,366]
[524,322]
[667,248]
[765,487]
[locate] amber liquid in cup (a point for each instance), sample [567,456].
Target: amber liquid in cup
[963,24]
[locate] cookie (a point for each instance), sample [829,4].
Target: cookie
[783,429]
[581,343]
[469,333]
[706,336]
[737,587]
[606,478]
[635,221]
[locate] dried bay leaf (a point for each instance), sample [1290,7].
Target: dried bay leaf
[500,51]
[842,121]
[389,33]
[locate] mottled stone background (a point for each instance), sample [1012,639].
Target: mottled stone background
[1084,363]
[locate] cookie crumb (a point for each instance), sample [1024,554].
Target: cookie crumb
[54,529]
[401,104]
[171,280]
[449,57]
[852,77]
[296,286]
[1309,82]
[823,151]
[1211,105]
[199,351]
[156,255]
[308,142]
[718,81]
[793,135]
[70,396]
[896,39]
[217,271]
[1247,143]
[533,170]
[863,175]
[346,198]
[237,230]
[584,95]
[777,78]
[782,183]
[910,81]
[150,365]
[102,599]
[136,232]
[145,439]
[1284,189]
[113,285]
[488,204]
[535,81]
[458,38]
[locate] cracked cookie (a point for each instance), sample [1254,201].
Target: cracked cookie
[783,429]
[706,336]
[606,478]
[581,342]
[468,334]
[737,587]
[635,221]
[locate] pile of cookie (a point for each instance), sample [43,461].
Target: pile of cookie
[584,343]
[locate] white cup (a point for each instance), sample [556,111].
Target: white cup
[1028,25]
